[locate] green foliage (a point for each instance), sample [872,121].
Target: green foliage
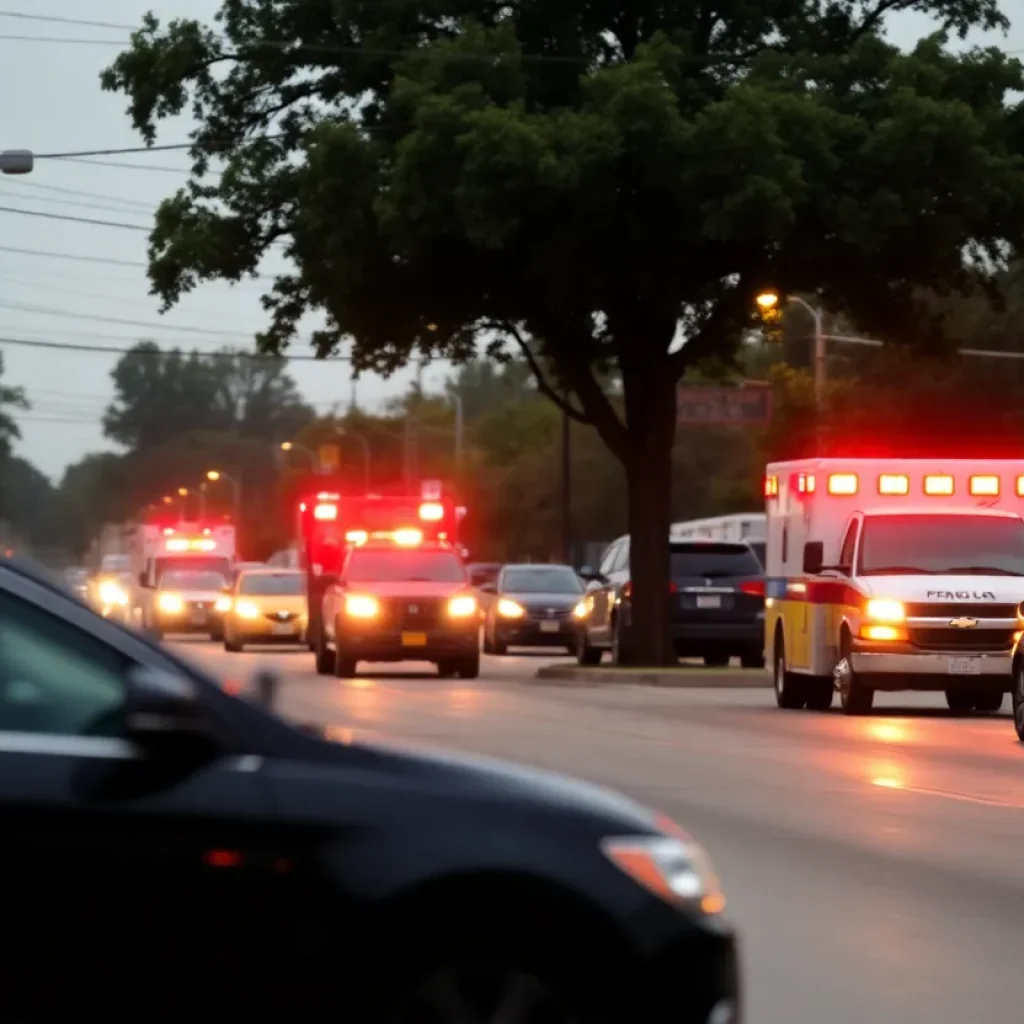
[161,395]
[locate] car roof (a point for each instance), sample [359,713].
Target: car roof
[921,510]
[537,565]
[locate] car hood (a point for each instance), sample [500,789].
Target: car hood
[945,589]
[533,599]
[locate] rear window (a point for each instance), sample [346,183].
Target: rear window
[712,560]
[404,566]
[278,584]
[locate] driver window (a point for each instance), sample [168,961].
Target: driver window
[849,545]
[54,678]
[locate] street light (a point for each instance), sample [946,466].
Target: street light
[292,446]
[215,475]
[770,300]
[16,161]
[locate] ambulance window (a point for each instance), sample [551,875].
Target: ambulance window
[849,546]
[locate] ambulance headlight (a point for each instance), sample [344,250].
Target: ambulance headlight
[884,610]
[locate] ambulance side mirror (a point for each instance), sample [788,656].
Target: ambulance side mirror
[814,557]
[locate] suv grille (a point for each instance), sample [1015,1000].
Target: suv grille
[954,611]
[412,613]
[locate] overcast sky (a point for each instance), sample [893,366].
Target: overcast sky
[53,103]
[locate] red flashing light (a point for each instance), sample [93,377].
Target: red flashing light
[771,486]
[627,588]
[1020,487]
[805,483]
[938,486]
[985,486]
[893,483]
[844,484]
[222,858]
[325,512]
[753,587]
[431,511]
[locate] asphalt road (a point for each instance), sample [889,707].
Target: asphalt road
[874,865]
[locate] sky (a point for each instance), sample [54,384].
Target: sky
[53,104]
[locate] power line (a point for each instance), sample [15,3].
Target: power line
[57,20]
[24,182]
[63,346]
[83,204]
[120,165]
[76,220]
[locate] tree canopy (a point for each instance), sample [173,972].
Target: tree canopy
[161,395]
[601,187]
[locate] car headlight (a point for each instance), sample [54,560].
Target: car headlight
[111,593]
[884,610]
[247,610]
[462,607]
[361,606]
[676,870]
[580,611]
[509,609]
[170,603]
[223,604]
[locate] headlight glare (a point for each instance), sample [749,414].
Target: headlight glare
[246,610]
[170,603]
[510,609]
[676,870]
[462,606]
[361,606]
[885,610]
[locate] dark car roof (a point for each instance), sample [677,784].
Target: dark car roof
[537,565]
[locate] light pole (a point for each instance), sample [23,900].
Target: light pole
[215,475]
[292,446]
[459,426]
[16,161]
[770,300]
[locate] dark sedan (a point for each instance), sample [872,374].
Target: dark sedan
[533,606]
[167,843]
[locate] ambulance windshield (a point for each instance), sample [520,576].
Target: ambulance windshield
[942,545]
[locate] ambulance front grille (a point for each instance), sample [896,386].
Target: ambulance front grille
[946,639]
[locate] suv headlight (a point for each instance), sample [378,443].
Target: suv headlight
[676,870]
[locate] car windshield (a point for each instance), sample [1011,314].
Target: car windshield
[944,545]
[713,560]
[277,583]
[541,581]
[192,581]
[404,566]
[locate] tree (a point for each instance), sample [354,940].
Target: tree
[11,398]
[603,188]
[161,395]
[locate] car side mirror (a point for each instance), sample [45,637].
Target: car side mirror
[814,557]
[162,708]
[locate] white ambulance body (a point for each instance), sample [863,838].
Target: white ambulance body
[893,574]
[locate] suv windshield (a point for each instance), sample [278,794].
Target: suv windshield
[277,584]
[713,560]
[404,566]
[947,545]
[192,581]
[541,581]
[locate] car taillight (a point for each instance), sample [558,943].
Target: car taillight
[753,587]
[627,588]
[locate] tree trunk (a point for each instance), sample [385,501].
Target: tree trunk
[651,412]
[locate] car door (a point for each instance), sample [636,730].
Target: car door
[122,876]
[601,595]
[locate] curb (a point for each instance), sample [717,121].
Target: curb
[679,678]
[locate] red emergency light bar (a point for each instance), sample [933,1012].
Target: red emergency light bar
[325,511]
[936,485]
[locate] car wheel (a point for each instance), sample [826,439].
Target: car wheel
[487,645]
[447,669]
[988,702]
[498,645]
[854,697]
[585,654]
[478,980]
[231,645]
[1018,698]
[752,659]
[960,702]
[622,651]
[790,690]
[469,667]
[325,656]
[344,665]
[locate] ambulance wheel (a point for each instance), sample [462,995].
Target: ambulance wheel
[854,697]
[988,702]
[960,702]
[1018,698]
[790,689]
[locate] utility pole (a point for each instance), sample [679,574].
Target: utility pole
[566,485]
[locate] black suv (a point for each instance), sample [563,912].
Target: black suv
[172,850]
[717,604]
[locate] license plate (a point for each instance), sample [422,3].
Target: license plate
[709,601]
[549,627]
[284,629]
[965,666]
[414,639]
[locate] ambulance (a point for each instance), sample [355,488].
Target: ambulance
[893,574]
